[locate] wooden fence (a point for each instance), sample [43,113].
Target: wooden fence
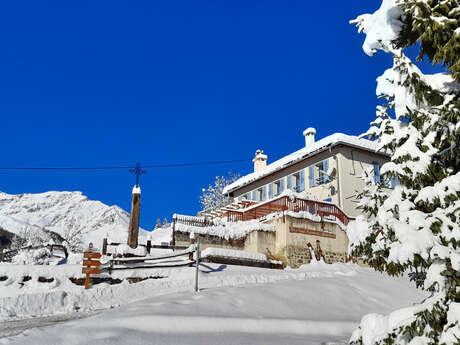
[162,261]
[286,203]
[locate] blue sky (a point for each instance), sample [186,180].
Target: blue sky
[96,83]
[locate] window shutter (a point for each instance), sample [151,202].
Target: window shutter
[326,168]
[264,193]
[289,182]
[301,181]
[376,172]
[394,182]
[281,186]
[311,177]
[254,195]
[270,190]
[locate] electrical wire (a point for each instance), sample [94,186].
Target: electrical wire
[153,166]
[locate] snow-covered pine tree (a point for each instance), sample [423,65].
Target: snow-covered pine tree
[165,223]
[213,196]
[417,226]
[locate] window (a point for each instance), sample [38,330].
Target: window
[318,173]
[248,196]
[298,181]
[278,187]
[263,196]
[377,178]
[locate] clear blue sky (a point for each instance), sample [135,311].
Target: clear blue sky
[94,83]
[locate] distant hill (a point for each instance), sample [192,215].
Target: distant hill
[64,211]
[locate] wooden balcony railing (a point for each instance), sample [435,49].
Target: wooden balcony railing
[286,203]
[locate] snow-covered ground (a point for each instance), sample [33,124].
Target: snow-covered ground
[316,304]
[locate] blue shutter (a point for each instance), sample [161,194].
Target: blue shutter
[376,172]
[254,195]
[326,168]
[289,182]
[264,193]
[301,186]
[270,190]
[394,182]
[281,186]
[311,177]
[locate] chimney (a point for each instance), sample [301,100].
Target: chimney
[260,160]
[309,134]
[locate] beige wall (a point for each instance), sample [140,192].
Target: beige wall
[352,164]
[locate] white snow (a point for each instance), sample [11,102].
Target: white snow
[136,190]
[230,253]
[381,28]
[320,145]
[317,304]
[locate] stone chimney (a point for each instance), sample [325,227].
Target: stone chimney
[309,134]
[260,160]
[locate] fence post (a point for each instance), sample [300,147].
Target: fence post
[192,242]
[149,246]
[104,246]
[197,262]
[173,240]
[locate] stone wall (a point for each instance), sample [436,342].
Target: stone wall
[294,234]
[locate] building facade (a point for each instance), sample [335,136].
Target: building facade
[329,170]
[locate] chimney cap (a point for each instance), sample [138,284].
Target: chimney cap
[260,154]
[309,130]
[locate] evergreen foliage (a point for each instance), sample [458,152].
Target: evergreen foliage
[416,226]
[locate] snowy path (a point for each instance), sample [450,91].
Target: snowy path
[11,328]
[322,309]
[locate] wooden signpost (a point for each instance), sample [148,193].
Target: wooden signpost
[90,266]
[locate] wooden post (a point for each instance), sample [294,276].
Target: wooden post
[197,263]
[149,246]
[192,242]
[134,218]
[104,246]
[90,266]
[173,239]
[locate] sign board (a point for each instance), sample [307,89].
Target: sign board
[90,270]
[91,255]
[90,263]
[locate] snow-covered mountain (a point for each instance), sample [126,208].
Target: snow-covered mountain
[65,211]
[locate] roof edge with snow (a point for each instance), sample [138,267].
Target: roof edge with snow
[300,155]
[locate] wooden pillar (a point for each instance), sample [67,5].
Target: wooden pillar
[192,242]
[173,239]
[104,246]
[149,246]
[134,218]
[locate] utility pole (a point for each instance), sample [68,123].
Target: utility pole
[133,233]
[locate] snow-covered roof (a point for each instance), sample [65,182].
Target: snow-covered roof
[320,145]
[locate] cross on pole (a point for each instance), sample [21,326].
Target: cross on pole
[138,171]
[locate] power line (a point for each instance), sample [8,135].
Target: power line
[153,166]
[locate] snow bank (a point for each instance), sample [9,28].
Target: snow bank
[230,253]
